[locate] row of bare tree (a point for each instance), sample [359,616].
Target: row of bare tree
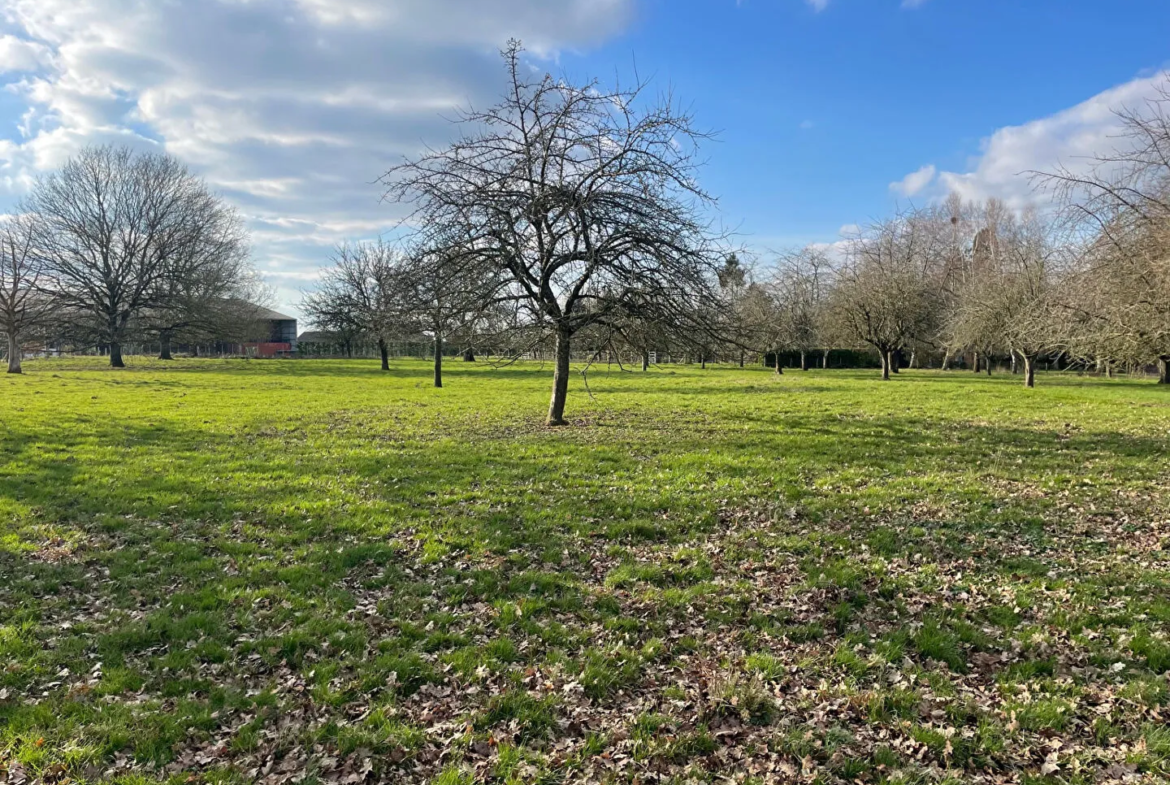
[119,246]
[1085,279]
[571,215]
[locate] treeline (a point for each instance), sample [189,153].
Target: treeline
[120,247]
[1085,281]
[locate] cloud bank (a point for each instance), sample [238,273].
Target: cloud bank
[291,108]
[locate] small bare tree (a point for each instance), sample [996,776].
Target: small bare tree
[119,228]
[444,291]
[582,198]
[23,306]
[203,293]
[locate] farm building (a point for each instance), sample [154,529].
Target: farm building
[274,335]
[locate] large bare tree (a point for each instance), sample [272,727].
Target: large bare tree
[120,229]
[23,306]
[583,198]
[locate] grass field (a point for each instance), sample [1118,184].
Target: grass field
[229,571]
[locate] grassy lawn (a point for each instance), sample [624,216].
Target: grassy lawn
[229,571]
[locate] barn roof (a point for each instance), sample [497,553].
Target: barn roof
[268,313]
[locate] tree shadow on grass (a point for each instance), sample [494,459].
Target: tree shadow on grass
[198,544]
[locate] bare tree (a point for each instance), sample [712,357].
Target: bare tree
[582,198]
[444,291]
[206,294]
[883,294]
[801,285]
[23,306]
[119,227]
[1008,303]
[361,295]
[1121,208]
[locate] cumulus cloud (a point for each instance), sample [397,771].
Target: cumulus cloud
[915,182]
[291,108]
[1070,138]
[818,5]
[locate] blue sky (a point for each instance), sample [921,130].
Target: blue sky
[830,113]
[821,111]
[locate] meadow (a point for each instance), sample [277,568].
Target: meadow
[230,571]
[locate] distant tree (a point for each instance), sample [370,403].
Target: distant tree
[883,294]
[206,298]
[734,280]
[1010,303]
[360,295]
[801,286]
[444,291]
[119,228]
[759,322]
[1120,206]
[582,198]
[23,306]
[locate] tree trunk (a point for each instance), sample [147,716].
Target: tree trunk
[804,361]
[975,362]
[913,358]
[1029,371]
[885,358]
[741,358]
[469,355]
[164,350]
[116,356]
[825,360]
[779,365]
[13,353]
[1015,364]
[703,360]
[895,362]
[946,364]
[1164,369]
[560,391]
[384,350]
[1108,369]
[438,359]
[645,359]
[987,365]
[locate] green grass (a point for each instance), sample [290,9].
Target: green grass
[220,571]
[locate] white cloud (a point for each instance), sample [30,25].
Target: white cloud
[291,108]
[1070,138]
[818,5]
[914,183]
[17,54]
